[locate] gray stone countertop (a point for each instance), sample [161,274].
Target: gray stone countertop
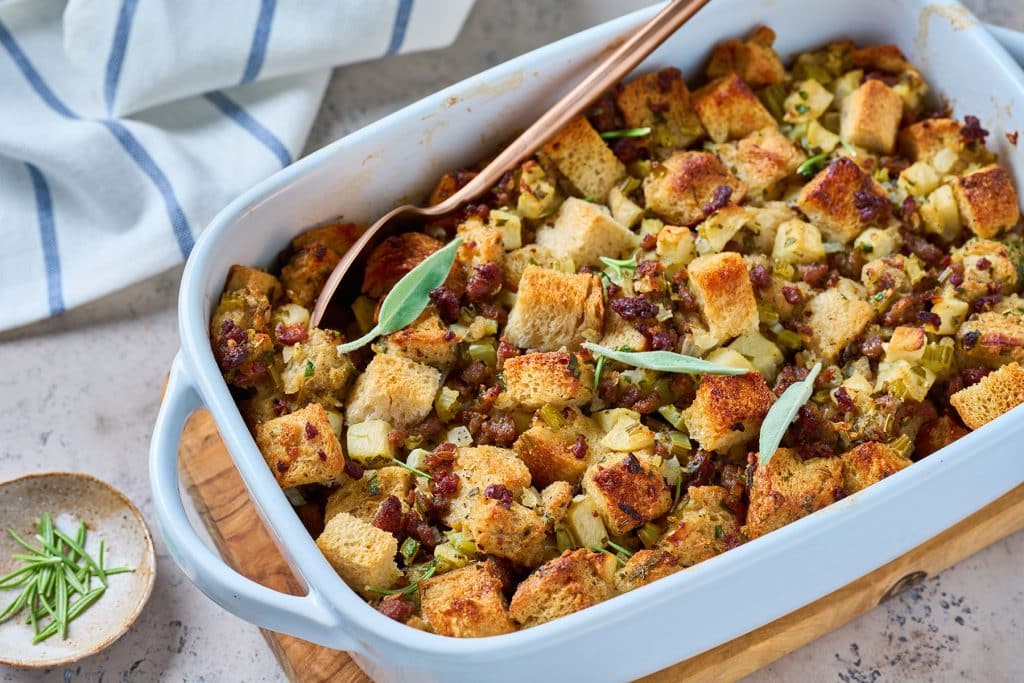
[80,392]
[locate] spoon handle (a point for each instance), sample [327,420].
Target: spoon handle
[613,69]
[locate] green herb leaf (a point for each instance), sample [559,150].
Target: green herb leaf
[626,133]
[848,146]
[409,296]
[428,570]
[782,413]
[664,361]
[597,371]
[412,469]
[309,369]
[812,165]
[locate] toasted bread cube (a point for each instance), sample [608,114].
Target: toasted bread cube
[393,388]
[555,310]
[518,260]
[938,142]
[702,528]
[761,159]
[789,487]
[729,109]
[831,200]
[477,468]
[628,489]
[993,338]
[887,58]
[870,116]
[798,242]
[480,244]
[728,410]
[425,341]
[466,602]
[361,497]
[997,393]
[301,447]
[558,454]
[575,580]
[685,183]
[838,316]
[245,309]
[556,377]
[869,463]
[988,268]
[555,500]
[644,567]
[254,280]
[361,553]
[584,231]
[753,59]
[619,332]
[661,101]
[515,533]
[305,273]
[265,403]
[889,273]
[315,371]
[988,201]
[582,156]
[721,285]
[392,259]
[339,237]
[936,434]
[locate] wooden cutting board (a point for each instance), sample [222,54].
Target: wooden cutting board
[224,504]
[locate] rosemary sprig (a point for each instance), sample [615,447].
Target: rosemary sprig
[52,576]
[418,473]
[428,570]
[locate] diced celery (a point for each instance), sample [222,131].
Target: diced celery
[552,416]
[484,351]
[673,416]
[649,534]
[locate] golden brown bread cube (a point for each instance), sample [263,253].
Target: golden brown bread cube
[988,201]
[702,528]
[923,140]
[619,333]
[888,58]
[515,532]
[393,388]
[555,500]
[301,447]
[869,463]
[556,377]
[682,185]
[266,402]
[555,310]
[559,454]
[424,341]
[361,553]
[583,158]
[339,237]
[480,244]
[644,567]
[789,487]
[889,273]
[518,260]
[255,280]
[753,59]
[316,372]
[870,116]
[628,490]
[730,110]
[572,581]
[997,393]
[992,338]
[721,285]
[393,258]
[761,159]
[240,339]
[661,101]
[361,497]
[477,468]
[245,309]
[728,410]
[987,269]
[583,232]
[837,316]
[833,200]
[466,602]
[306,271]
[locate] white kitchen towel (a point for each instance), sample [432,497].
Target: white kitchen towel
[125,125]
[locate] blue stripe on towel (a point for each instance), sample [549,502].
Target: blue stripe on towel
[131,145]
[401,23]
[117,49]
[260,38]
[243,118]
[48,238]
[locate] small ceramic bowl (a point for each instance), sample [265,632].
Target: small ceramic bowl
[71,497]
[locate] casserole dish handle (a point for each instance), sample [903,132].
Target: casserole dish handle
[305,617]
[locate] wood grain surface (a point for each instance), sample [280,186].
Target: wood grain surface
[231,518]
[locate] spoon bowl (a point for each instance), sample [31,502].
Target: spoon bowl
[72,497]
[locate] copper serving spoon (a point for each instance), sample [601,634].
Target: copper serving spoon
[613,69]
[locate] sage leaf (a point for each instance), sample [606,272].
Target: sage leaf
[782,413]
[664,361]
[409,296]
